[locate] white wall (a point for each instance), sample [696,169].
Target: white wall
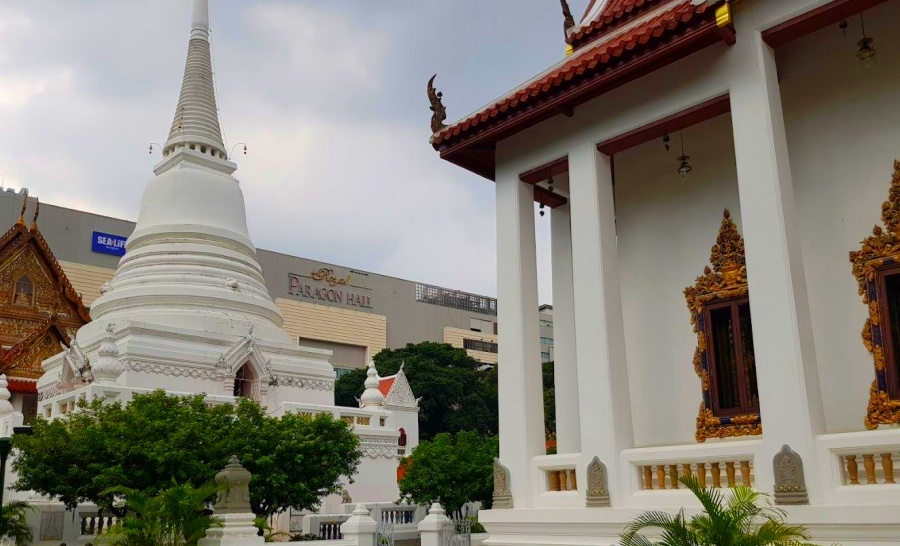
[665,231]
[843,129]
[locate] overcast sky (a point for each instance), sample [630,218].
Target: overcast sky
[329,95]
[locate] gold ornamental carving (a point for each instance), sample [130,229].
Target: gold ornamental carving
[879,250]
[39,309]
[726,280]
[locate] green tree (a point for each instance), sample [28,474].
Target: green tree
[746,517]
[549,400]
[14,522]
[452,469]
[176,516]
[456,395]
[143,446]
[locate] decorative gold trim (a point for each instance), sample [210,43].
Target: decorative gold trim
[725,281]
[880,249]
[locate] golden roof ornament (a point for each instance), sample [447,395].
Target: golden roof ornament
[439,112]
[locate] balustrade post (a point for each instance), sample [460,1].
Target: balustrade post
[745,473]
[869,464]
[729,472]
[431,528]
[660,476]
[716,475]
[852,469]
[360,528]
[648,477]
[701,474]
[887,464]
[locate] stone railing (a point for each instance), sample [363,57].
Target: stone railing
[400,515]
[716,474]
[860,467]
[877,468]
[325,526]
[358,418]
[93,524]
[655,471]
[555,481]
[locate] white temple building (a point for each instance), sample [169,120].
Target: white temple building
[664,114]
[188,311]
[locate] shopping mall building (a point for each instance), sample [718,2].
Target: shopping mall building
[351,312]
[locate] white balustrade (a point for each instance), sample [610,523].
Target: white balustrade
[860,467]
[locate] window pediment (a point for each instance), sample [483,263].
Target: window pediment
[721,287]
[877,259]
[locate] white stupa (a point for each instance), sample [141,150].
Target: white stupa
[188,310]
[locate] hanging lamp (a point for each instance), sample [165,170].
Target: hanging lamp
[684,165]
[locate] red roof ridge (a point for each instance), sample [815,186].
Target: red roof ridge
[613,14]
[638,32]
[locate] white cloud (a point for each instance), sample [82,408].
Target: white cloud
[335,169]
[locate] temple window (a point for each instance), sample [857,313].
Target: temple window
[732,365]
[719,305]
[889,297]
[243,382]
[24,292]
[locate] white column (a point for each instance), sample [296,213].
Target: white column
[520,381]
[603,395]
[565,374]
[787,374]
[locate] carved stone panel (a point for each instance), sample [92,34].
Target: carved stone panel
[502,494]
[790,483]
[597,490]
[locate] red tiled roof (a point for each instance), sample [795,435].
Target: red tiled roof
[676,19]
[385,385]
[613,14]
[22,385]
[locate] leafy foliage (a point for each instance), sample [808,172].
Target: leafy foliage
[176,516]
[456,396]
[549,399]
[746,517]
[143,446]
[14,522]
[452,469]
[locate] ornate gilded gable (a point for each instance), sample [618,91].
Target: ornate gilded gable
[879,250]
[726,280]
[39,309]
[24,358]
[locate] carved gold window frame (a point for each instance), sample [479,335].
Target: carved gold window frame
[879,251]
[727,280]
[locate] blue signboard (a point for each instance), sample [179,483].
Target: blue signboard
[104,243]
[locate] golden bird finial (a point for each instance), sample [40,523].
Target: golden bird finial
[21,219]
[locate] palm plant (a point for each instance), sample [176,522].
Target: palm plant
[14,522]
[177,516]
[743,518]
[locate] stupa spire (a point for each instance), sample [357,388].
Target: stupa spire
[196,123]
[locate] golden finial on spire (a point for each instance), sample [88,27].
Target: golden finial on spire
[21,219]
[37,212]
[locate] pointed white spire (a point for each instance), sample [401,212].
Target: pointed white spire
[195,128]
[200,20]
[372,395]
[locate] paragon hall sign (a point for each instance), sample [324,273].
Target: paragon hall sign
[322,285]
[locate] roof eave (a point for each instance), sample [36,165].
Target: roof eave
[475,152]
